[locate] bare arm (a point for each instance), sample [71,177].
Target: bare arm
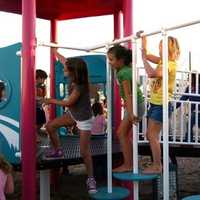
[60,57]
[129,105]
[150,57]
[72,99]
[9,187]
[151,72]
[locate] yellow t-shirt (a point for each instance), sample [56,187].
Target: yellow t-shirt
[156,84]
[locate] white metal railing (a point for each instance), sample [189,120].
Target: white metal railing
[180,120]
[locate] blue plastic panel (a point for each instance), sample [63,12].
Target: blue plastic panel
[10,106]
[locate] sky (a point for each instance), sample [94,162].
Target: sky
[148,16]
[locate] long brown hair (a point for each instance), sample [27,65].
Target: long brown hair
[78,72]
[5,166]
[41,74]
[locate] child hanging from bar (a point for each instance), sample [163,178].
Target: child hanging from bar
[155,111]
[120,59]
[79,111]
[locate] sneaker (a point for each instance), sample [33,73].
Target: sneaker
[91,185]
[55,154]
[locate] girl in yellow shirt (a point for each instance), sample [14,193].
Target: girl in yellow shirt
[155,112]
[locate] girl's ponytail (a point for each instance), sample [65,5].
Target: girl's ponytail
[128,57]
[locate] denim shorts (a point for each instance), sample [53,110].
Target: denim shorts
[155,112]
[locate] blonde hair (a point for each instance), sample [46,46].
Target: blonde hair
[5,166]
[173,48]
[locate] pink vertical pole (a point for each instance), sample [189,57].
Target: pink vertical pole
[127,13]
[117,25]
[52,68]
[28,119]
[116,96]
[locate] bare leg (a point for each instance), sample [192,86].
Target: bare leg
[52,127]
[85,151]
[154,129]
[126,146]
[38,127]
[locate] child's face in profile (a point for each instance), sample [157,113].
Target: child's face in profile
[40,80]
[2,94]
[66,71]
[114,62]
[2,91]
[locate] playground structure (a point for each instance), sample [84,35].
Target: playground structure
[28,96]
[96,76]
[58,10]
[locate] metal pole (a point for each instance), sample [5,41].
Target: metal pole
[54,45]
[173,28]
[129,30]
[183,25]
[190,61]
[45,185]
[122,40]
[53,35]
[135,130]
[165,117]
[128,38]
[51,44]
[28,121]
[109,139]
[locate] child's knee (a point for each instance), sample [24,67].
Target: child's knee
[151,136]
[121,134]
[84,153]
[120,131]
[50,127]
[148,135]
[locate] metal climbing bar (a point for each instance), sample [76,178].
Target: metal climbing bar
[128,38]
[54,45]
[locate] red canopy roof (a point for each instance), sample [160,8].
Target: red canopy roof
[65,9]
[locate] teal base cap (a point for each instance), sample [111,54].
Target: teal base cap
[129,176]
[193,197]
[117,193]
